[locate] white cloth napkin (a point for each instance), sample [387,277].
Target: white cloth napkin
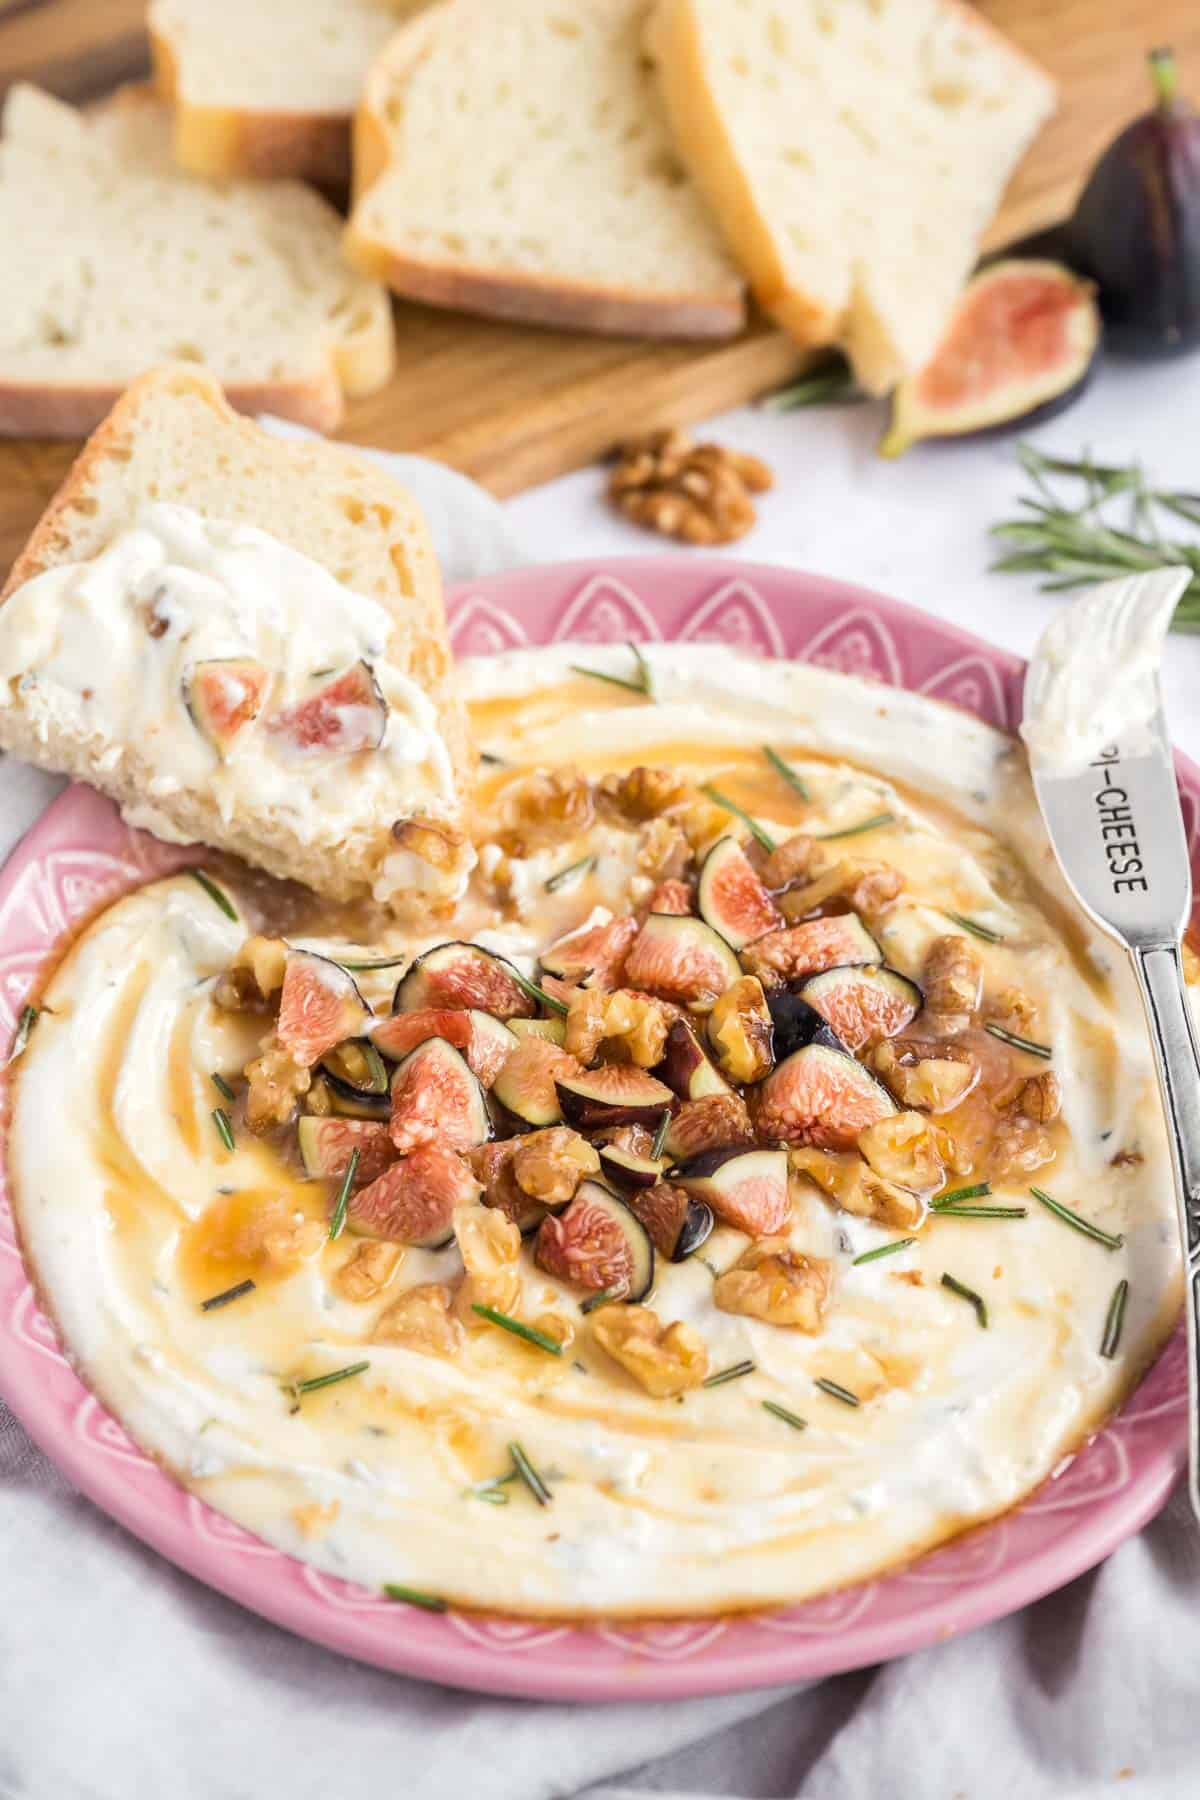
[120,1676]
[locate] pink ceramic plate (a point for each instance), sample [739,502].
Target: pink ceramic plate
[80,854]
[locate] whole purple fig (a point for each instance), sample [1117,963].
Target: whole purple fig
[1136,230]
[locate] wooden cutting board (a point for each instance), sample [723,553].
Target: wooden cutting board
[514,406]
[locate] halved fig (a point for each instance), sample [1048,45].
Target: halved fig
[553,1030]
[627,1170]
[599,1244]
[677,1223]
[864,1005]
[714,1123]
[458,977]
[681,959]
[819,1096]
[614,1094]
[747,1189]
[685,1068]
[593,957]
[796,1024]
[1019,347]
[741,1031]
[340,717]
[413,1201]
[326,1146]
[318,1007]
[484,1041]
[225,695]
[731,897]
[436,1099]
[818,944]
[525,1088]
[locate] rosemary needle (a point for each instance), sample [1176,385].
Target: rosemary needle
[644,670]
[25,1023]
[539,994]
[216,894]
[1076,1220]
[956,1196]
[660,1136]
[584,866]
[316,1382]
[966,1293]
[836,1391]
[881,1250]
[733,1373]
[973,926]
[872,824]
[594,1301]
[980,1212]
[530,1333]
[794,781]
[789,1418]
[414,1597]
[378,962]
[1114,1320]
[338,1220]
[529,1475]
[220,1119]
[752,825]
[1018,1043]
[222,1086]
[227,1296]
[632,687]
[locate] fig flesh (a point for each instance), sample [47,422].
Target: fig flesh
[864,1005]
[731,897]
[460,977]
[598,1244]
[685,1066]
[319,1007]
[747,1189]
[615,1094]
[1019,347]
[681,959]
[819,1096]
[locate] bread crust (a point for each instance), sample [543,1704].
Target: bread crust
[29,410]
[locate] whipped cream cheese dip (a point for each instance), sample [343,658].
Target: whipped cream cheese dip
[132,1211]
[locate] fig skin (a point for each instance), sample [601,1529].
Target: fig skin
[1136,229]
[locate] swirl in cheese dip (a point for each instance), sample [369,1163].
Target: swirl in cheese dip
[133,1212]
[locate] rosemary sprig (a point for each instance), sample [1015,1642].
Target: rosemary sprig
[872,824]
[1076,1220]
[830,383]
[539,994]
[881,1250]
[731,806]
[530,1333]
[584,866]
[414,1597]
[968,1294]
[836,1391]
[796,782]
[378,962]
[644,685]
[1114,1320]
[973,926]
[956,1196]
[660,1135]
[789,1418]
[227,1296]
[1018,1043]
[980,1212]
[734,1372]
[26,1021]
[1077,538]
[315,1382]
[217,895]
[222,1086]
[645,672]
[220,1119]
[529,1475]
[337,1222]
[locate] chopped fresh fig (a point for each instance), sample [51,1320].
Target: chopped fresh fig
[864,1005]
[341,717]
[681,959]
[731,897]
[326,1146]
[436,1099]
[685,1068]
[627,1170]
[553,1030]
[742,1032]
[715,1123]
[1020,346]
[413,1201]
[819,1096]
[525,1088]
[493,1164]
[796,1024]
[457,977]
[225,695]
[747,1189]
[485,1042]
[677,1223]
[319,1007]
[593,957]
[599,1244]
[347,1102]
[818,944]
[614,1094]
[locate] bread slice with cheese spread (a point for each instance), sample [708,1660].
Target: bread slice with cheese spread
[853,151]
[268,87]
[241,640]
[115,261]
[513,159]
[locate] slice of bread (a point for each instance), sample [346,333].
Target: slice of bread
[513,159]
[853,151]
[268,87]
[114,261]
[100,683]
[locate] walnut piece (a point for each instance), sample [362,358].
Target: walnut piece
[718,1121]
[740,1031]
[254,977]
[904,1149]
[868,887]
[1018,1148]
[637,1022]
[1040,1098]
[665,1360]
[365,1274]
[699,493]
[790,861]
[421,1319]
[1013,1011]
[932,1075]
[781,1286]
[952,979]
[643,793]
[549,1165]
[490,1246]
[276,1082]
[857,1189]
[544,809]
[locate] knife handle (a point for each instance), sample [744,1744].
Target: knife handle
[1159,971]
